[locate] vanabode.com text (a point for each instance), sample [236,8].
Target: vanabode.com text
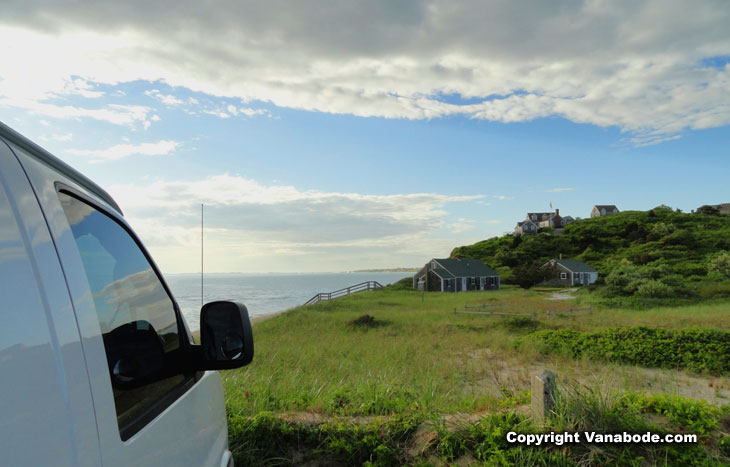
[559,439]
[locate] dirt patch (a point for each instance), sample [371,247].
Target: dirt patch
[499,370]
[566,294]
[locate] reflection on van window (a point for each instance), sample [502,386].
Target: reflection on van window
[126,291]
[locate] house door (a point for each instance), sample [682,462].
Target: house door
[463,283]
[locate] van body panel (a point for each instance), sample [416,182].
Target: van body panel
[190,431]
[196,417]
[45,398]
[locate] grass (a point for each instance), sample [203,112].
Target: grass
[404,358]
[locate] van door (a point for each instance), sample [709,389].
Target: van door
[46,409]
[113,282]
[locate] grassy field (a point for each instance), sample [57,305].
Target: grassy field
[414,382]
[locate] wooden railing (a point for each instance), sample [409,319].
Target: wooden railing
[369,285]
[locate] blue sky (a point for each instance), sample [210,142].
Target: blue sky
[353,137]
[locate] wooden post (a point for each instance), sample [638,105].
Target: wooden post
[543,395]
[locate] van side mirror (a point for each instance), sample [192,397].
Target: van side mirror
[135,354]
[226,338]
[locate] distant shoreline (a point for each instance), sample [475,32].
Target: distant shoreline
[388,270]
[359,271]
[258,319]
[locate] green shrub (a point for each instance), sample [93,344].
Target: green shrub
[718,289]
[720,264]
[690,415]
[654,289]
[265,439]
[366,322]
[404,284]
[700,350]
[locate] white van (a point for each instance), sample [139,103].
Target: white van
[97,364]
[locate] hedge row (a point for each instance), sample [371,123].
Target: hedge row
[700,350]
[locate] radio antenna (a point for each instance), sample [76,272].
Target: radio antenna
[201,254]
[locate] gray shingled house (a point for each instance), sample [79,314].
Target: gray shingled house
[455,275]
[600,210]
[571,272]
[544,219]
[723,209]
[526,227]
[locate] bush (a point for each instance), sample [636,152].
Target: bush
[366,322]
[699,350]
[654,289]
[720,264]
[404,284]
[529,275]
[718,289]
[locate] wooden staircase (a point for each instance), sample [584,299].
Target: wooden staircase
[369,285]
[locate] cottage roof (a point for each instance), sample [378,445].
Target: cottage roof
[466,267]
[541,216]
[521,223]
[607,207]
[574,265]
[443,273]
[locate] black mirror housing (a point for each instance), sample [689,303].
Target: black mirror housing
[226,338]
[135,355]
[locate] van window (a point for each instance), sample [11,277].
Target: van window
[125,290]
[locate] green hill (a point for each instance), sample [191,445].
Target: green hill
[654,254]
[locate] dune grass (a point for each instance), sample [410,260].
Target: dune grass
[390,354]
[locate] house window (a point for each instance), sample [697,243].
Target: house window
[563,275]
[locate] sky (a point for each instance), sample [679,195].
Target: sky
[326,136]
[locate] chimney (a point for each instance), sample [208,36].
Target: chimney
[557,212]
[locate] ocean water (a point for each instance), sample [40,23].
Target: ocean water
[263,294]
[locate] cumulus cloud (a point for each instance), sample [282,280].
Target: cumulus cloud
[638,65]
[166,99]
[121,151]
[245,218]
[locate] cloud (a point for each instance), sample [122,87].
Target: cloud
[246,219]
[641,66]
[120,151]
[461,225]
[193,107]
[559,190]
[166,99]
[57,137]
[124,115]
